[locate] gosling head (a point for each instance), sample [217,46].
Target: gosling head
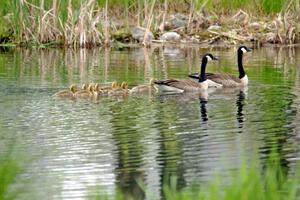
[84,86]
[114,85]
[243,49]
[73,88]
[124,85]
[91,87]
[97,87]
[152,80]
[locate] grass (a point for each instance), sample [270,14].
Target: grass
[269,183]
[9,171]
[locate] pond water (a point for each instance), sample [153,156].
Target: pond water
[69,148]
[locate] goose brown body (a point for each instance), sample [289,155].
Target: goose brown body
[183,85]
[225,80]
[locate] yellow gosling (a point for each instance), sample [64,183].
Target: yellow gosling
[84,86]
[119,90]
[67,93]
[85,93]
[97,90]
[106,89]
[144,89]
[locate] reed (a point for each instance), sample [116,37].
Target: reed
[149,18]
[86,23]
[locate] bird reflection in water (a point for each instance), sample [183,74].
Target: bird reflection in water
[240,105]
[203,110]
[203,97]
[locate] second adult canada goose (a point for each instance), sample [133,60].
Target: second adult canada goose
[229,80]
[179,86]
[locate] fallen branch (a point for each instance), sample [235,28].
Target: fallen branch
[228,35]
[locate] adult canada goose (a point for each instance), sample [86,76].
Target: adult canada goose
[85,93]
[229,80]
[144,89]
[179,86]
[67,93]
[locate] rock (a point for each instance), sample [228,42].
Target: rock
[121,35]
[176,21]
[241,17]
[195,39]
[170,36]
[255,25]
[214,28]
[271,38]
[139,32]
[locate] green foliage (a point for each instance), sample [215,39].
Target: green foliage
[254,182]
[9,170]
[270,6]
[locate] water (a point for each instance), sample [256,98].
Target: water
[74,149]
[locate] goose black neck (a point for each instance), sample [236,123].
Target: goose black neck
[202,76]
[240,65]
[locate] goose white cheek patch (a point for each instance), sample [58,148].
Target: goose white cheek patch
[208,58]
[244,50]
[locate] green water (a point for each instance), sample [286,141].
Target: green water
[70,147]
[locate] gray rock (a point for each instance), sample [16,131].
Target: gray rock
[214,28]
[176,21]
[271,37]
[255,25]
[170,36]
[139,32]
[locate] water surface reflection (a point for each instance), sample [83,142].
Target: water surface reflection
[126,143]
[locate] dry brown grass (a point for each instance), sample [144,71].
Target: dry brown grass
[44,26]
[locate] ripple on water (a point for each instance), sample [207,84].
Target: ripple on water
[113,142]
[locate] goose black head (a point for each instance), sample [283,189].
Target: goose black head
[209,57]
[243,49]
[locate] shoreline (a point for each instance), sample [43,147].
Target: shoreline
[153,45]
[146,25]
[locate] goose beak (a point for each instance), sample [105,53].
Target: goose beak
[215,58]
[249,49]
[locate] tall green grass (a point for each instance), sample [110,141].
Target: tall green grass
[255,7]
[248,183]
[10,169]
